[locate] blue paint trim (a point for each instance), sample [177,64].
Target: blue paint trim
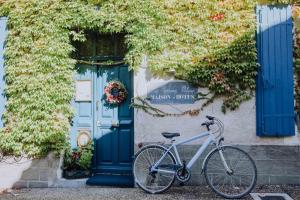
[3,35]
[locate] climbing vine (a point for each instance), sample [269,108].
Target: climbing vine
[142,104]
[208,43]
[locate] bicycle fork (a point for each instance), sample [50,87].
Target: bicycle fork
[228,170]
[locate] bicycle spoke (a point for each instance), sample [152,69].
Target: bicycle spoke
[218,178]
[143,165]
[149,157]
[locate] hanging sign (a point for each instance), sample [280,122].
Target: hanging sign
[174,92]
[83,90]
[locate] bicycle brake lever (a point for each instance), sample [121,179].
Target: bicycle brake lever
[208,124]
[210,117]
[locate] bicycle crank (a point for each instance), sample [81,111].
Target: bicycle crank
[183,175]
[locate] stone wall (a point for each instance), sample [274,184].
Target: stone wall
[28,173]
[39,173]
[275,164]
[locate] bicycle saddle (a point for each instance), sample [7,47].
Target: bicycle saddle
[170,135]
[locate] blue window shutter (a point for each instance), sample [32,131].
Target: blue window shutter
[3,33]
[275,84]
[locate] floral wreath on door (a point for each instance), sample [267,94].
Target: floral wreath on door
[115,92]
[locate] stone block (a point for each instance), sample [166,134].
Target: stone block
[281,180]
[263,152]
[263,180]
[20,184]
[30,174]
[284,153]
[197,179]
[269,167]
[197,167]
[51,161]
[40,163]
[38,184]
[64,183]
[292,167]
[190,151]
[44,174]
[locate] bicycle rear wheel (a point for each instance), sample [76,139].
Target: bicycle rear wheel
[235,184]
[153,182]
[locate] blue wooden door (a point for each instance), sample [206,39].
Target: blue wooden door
[275,90]
[3,33]
[113,134]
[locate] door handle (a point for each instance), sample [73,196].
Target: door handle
[97,105]
[98,123]
[115,124]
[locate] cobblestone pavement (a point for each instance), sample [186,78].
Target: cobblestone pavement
[103,193]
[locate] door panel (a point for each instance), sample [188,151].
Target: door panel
[114,144]
[83,116]
[124,151]
[104,144]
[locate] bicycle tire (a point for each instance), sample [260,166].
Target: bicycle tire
[221,193]
[135,173]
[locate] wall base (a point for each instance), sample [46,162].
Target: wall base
[275,164]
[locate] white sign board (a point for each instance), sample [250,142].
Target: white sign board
[83,90]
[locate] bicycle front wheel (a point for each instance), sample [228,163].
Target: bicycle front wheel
[236,182]
[157,181]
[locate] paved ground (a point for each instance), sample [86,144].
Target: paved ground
[97,193]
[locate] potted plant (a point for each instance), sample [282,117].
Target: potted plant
[77,162]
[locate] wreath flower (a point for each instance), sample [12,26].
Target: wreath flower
[217,17]
[115,93]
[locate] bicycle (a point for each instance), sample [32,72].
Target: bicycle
[229,171]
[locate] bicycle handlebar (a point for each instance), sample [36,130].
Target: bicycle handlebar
[208,124]
[212,121]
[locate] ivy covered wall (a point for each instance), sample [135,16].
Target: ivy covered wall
[208,43]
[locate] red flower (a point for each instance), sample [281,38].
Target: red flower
[106,90]
[217,17]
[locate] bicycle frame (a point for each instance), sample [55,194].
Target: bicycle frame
[149,168]
[210,140]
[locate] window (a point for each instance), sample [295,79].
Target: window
[101,45]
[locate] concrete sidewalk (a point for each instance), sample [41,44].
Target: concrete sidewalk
[97,193]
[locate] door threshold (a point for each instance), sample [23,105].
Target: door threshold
[112,174]
[119,180]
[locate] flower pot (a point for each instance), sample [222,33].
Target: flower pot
[76,174]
